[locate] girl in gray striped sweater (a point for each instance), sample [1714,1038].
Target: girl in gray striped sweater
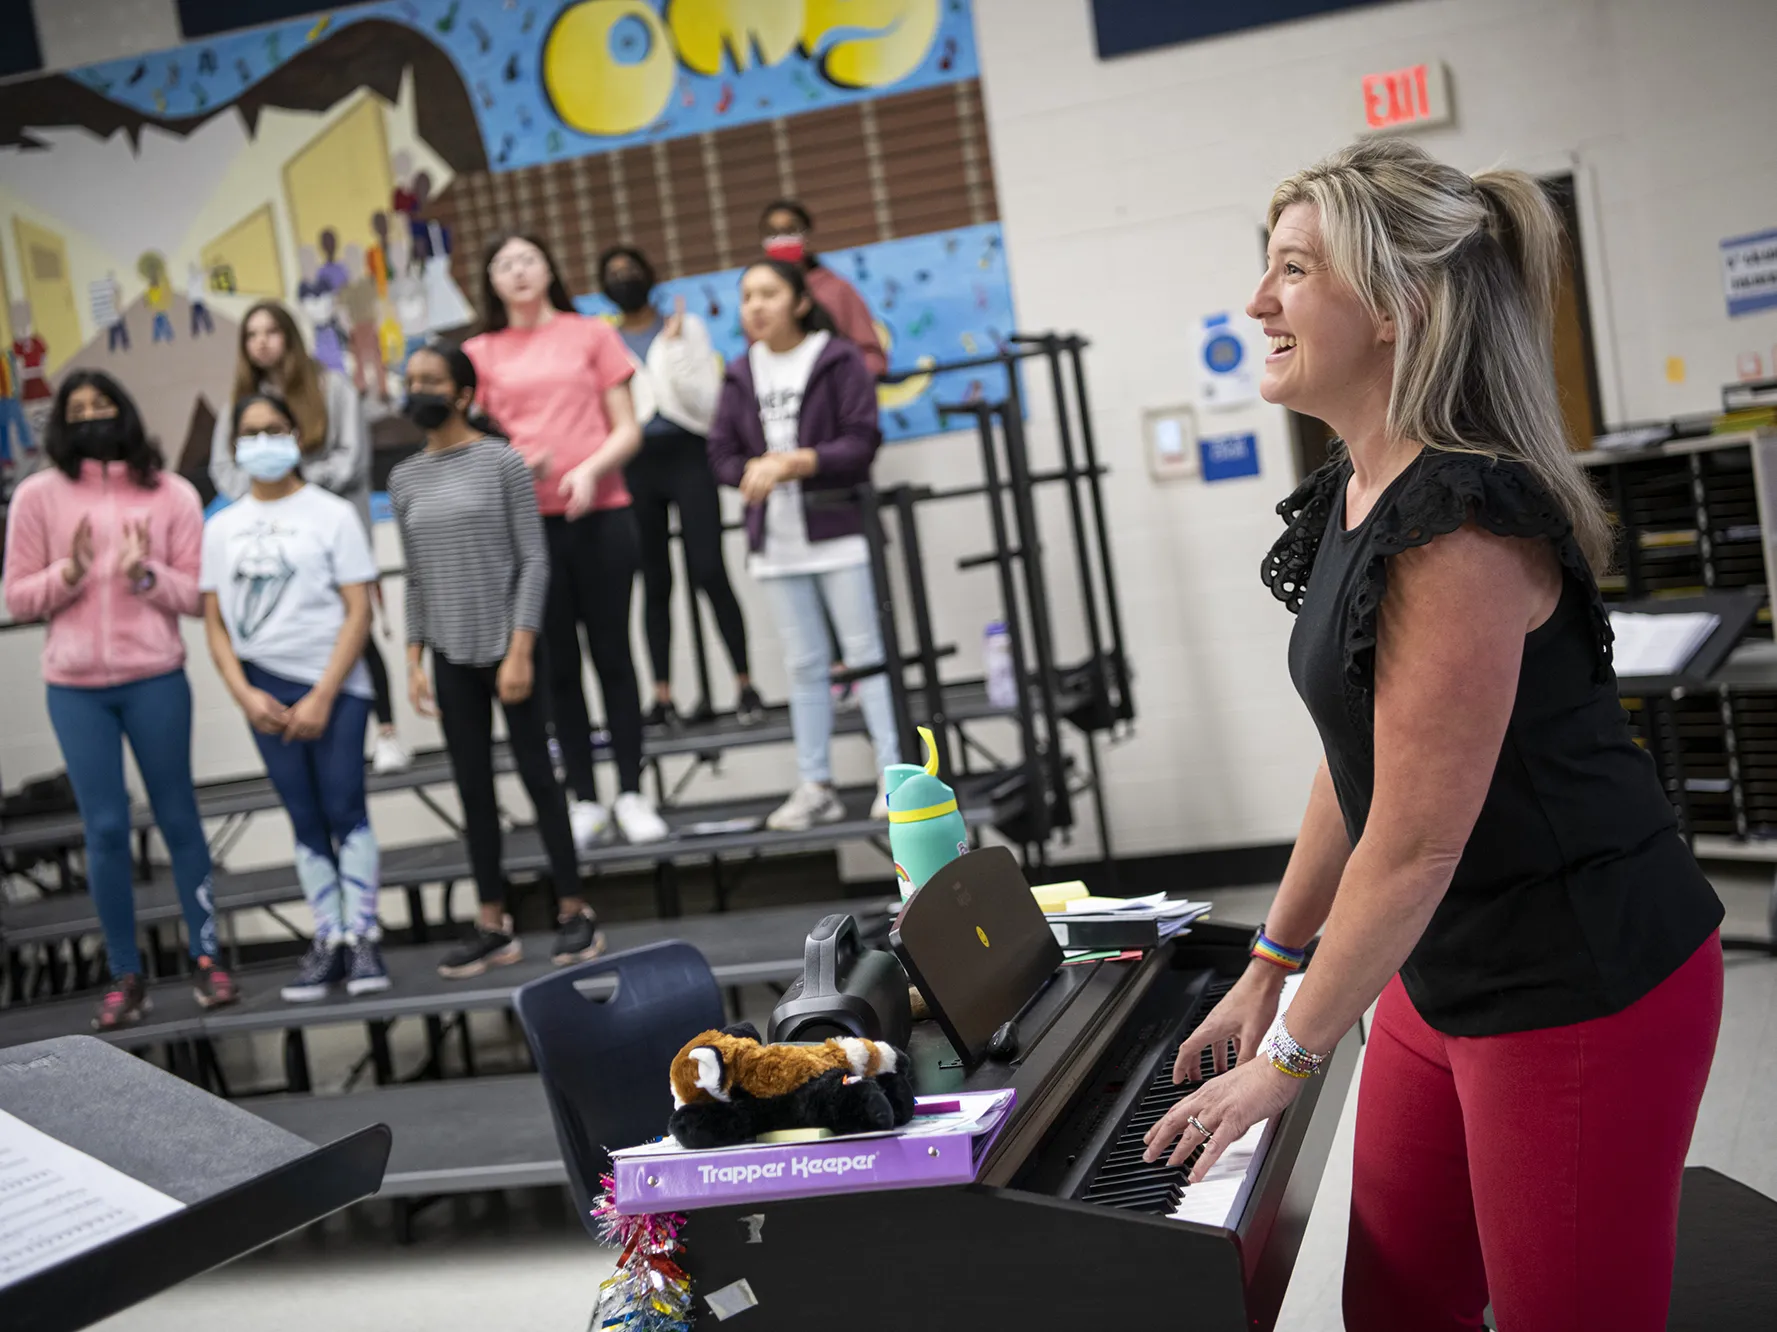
[477,577]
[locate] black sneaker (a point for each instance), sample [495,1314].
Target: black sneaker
[368,975]
[322,967]
[578,938]
[123,1005]
[483,949]
[749,708]
[664,717]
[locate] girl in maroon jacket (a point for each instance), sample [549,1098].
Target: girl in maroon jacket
[796,431]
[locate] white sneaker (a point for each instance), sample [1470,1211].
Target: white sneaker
[639,821]
[879,806]
[589,821]
[390,755]
[809,804]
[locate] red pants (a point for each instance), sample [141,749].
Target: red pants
[1540,1169]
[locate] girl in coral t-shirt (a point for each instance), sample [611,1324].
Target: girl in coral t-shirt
[558,385]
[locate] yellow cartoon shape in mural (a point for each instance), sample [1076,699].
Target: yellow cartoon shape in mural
[587,85]
[609,66]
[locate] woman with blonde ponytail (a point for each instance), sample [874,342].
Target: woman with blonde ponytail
[1486,854]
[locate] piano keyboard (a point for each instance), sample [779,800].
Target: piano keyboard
[1124,1180]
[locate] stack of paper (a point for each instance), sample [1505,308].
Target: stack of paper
[1659,644]
[1119,923]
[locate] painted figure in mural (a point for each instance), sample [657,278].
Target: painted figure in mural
[477,583]
[158,294]
[359,301]
[558,383]
[286,577]
[786,230]
[106,298]
[17,444]
[407,299]
[676,382]
[336,456]
[796,420]
[376,258]
[29,353]
[333,274]
[316,300]
[197,296]
[104,546]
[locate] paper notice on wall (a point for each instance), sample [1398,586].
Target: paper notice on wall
[1226,374]
[56,1202]
[1749,272]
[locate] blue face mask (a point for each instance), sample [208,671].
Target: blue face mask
[267,457]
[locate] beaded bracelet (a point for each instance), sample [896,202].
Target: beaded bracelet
[1290,959]
[1288,1057]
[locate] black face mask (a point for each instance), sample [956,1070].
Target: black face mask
[428,411]
[100,438]
[630,293]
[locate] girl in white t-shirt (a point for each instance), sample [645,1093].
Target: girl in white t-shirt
[286,578]
[795,432]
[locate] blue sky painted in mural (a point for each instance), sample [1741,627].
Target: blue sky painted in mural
[497,47]
[942,296]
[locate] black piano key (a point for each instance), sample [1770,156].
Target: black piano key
[1154,1191]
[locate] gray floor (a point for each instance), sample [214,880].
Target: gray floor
[519,1261]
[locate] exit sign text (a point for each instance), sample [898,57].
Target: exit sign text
[1406,98]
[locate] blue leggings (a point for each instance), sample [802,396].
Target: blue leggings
[156,716]
[321,783]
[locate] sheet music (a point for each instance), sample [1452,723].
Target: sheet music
[56,1202]
[1659,644]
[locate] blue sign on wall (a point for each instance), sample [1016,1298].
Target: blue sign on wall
[1228,456]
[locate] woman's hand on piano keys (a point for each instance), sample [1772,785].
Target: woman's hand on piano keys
[1227,1106]
[1243,1017]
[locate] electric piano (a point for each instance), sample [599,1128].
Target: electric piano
[1065,1226]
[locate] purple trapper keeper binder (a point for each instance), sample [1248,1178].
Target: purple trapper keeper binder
[662,1177]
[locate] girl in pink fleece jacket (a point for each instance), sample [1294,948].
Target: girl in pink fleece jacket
[104,546]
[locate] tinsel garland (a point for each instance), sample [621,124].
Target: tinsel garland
[648,1292]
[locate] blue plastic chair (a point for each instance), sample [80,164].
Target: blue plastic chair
[605,1057]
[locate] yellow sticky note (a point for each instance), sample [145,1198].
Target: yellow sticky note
[1056,896]
[1675,369]
[796,1135]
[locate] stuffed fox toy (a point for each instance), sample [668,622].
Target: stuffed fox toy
[728,1087]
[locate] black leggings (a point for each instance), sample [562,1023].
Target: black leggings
[465,697]
[675,469]
[592,572]
[379,682]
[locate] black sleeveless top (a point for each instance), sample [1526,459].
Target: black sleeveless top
[1575,895]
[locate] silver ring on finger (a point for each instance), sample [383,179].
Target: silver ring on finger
[1197,1124]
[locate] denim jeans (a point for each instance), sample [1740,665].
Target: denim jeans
[321,783]
[156,716]
[850,598]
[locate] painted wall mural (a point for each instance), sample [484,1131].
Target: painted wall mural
[352,165]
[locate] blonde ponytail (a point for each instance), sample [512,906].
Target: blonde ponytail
[1467,268]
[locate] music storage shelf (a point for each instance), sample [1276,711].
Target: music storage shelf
[1698,516]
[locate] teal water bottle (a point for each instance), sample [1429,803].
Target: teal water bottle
[926,829]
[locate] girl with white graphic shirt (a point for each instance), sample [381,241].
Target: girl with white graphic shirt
[796,432]
[286,577]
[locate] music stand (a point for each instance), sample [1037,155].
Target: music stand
[244,1182]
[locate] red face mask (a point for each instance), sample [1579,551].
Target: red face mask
[790,248]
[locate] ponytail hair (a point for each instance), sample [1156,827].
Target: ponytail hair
[817,320]
[1466,267]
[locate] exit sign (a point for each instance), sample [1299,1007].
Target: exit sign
[1409,98]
